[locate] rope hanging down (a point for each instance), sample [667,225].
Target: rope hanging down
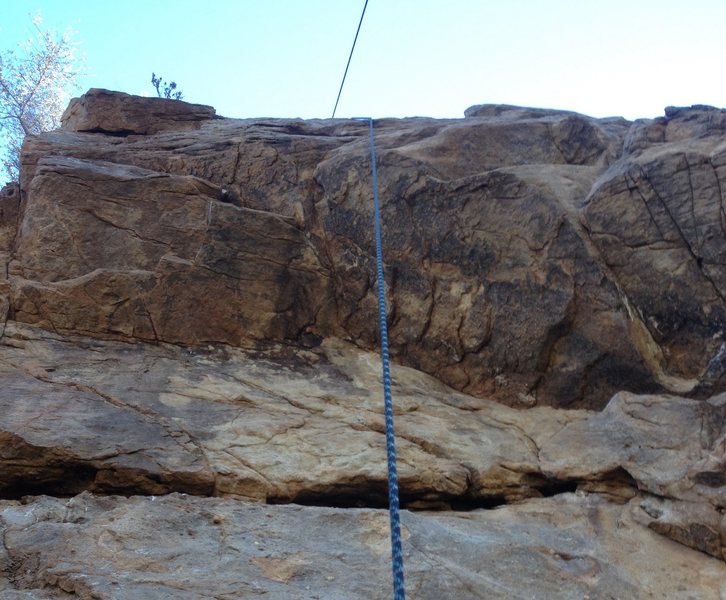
[342,83]
[399,592]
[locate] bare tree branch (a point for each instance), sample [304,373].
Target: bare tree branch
[35,85]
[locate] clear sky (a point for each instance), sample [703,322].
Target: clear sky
[285,58]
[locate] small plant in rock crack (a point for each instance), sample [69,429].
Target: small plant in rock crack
[165,90]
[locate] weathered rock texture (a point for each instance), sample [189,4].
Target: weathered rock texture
[537,257]
[115,113]
[191,549]
[531,255]
[282,425]
[187,312]
[657,217]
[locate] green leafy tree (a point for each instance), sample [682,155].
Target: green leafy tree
[36,82]
[168,90]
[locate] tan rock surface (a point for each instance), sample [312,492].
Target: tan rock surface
[278,424]
[186,316]
[116,113]
[183,547]
[124,251]
[505,278]
[658,221]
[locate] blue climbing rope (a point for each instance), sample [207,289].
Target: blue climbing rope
[399,591]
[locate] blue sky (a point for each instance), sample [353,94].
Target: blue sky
[285,58]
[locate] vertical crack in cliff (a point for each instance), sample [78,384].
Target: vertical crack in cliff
[640,334]
[150,318]
[692,205]
[428,319]
[5,316]
[641,337]
[679,230]
[556,332]
[233,178]
[722,208]
[651,351]
[556,144]
[634,187]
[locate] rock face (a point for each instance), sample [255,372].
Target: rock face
[522,262]
[9,208]
[657,218]
[115,113]
[111,264]
[188,311]
[280,425]
[191,549]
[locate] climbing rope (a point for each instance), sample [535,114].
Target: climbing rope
[399,592]
[350,56]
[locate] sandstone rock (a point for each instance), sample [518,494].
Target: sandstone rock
[683,498]
[513,112]
[188,308]
[694,525]
[9,212]
[657,220]
[495,285]
[276,424]
[119,250]
[458,297]
[116,113]
[679,124]
[185,547]
[616,438]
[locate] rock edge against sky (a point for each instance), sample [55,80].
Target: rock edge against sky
[189,369]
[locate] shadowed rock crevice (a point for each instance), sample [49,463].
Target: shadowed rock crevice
[65,479]
[29,470]
[56,475]
[121,133]
[378,499]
